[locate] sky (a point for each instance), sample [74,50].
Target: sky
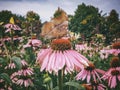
[46,8]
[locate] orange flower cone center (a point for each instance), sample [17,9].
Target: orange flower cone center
[90,67]
[115,62]
[115,72]
[61,44]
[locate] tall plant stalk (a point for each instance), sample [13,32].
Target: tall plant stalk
[60,80]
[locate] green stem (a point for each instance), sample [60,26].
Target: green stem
[60,80]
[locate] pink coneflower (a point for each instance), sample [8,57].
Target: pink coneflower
[94,85]
[80,47]
[60,56]
[89,73]
[13,66]
[98,86]
[112,76]
[115,62]
[115,49]
[11,27]
[33,43]
[26,71]
[22,77]
[111,51]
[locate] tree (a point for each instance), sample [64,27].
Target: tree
[85,21]
[112,23]
[115,30]
[5,16]
[113,17]
[32,24]
[31,16]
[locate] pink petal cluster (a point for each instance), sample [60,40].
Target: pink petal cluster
[12,64]
[8,39]
[80,47]
[51,60]
[111,51]
[94,86]
[99,87]
[21,77]
[89,73]
[11,27]
[112,78]
[33,43]
[26,72]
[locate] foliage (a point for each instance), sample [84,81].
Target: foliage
[32,24]
[85,20]
[18,53]
[112,22]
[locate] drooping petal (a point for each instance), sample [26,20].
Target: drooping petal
[93,74]
[113,82]
[45,62]
[97,75]
[68,63]
[81,58]
[42,54]
[25,83]
[80,74]
[88,77]
[8,30]
[100,71]
[71,60]
[59,60]
[100,88]
[84,75]
[51,63]
[109,81]
[74,60]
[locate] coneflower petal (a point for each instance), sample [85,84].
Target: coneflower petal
[46,60]
[113,82]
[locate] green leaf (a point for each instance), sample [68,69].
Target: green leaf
[2,60]
[5,77]
[46,80]
[17,62]
[75,84]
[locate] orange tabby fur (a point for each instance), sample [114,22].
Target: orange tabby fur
[56,28]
